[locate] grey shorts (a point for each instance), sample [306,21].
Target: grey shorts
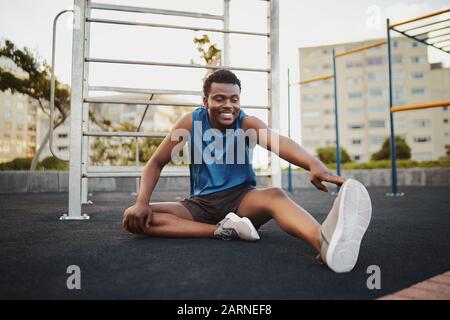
[212,208]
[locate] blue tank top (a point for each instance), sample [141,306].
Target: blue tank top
[216,163]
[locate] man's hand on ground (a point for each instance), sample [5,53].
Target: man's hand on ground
[319,173]
[136,218]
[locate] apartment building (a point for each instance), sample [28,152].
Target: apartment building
[363,99]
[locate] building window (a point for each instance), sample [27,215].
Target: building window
[356,157]
[63,148]
[62,135]
[311,97]
[356,126]
[311,129]
[418,60]
[328,96]
[7,136]
[353,80]
[374,61]
[311,114]
[356,141]
[353,64]
[355,95]
[445,120]
[421,123]
[445,108]
[328,111]
[376,92]
[446,134]
[422,139]
[326,66]
[376,123]
[8,125]
[414,44]
[397,59]
[330,127]
[20,105]
[396,44]
[418,91]
[377,140]
[376,76]
[377,108]
[355,111]
[398,94]
[398,75]
[7,114]
[418,75]
[330,142]
[311,143]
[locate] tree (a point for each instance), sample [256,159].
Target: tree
[210,53]
[36,86]
[328,155]
[402,149]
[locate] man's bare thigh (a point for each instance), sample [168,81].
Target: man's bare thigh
[175,208]
[253,206]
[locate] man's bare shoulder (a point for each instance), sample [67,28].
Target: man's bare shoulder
[185,122]
[252,122]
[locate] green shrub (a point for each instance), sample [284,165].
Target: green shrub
[17,164]
[52,163]
[328,155]
[403,150]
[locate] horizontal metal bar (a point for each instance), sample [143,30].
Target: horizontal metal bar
[171,26]
[141,102]
[128,174]
[437,37]
[369,46]
[330,76]
[155,103]
[146,91]
[421,41]
[425,25]
[422,33]
[124,134]
[177,65]
[421,106]
[113,7]
[138,174]
[420,18]
[441,41]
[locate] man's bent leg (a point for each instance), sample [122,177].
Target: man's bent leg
[172,219]
[260,205]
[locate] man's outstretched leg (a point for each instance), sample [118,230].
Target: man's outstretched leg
[172,219]
[338,239]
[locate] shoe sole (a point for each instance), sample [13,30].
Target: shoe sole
[253,233]
[355,212]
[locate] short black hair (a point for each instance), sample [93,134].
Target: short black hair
[220,76]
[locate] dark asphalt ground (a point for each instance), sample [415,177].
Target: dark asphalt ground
[409,239]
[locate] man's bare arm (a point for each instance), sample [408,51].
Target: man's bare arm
[136,217]
[292,152]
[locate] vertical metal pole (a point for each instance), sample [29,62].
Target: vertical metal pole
[76,112]
[85,141]
[391,115]
[289,129]
[273,84]
[226,36]
[336,117]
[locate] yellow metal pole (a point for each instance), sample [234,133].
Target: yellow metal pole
[421,106]
[373,45]
[420,18]
[315,79]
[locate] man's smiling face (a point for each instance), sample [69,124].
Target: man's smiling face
[223,104]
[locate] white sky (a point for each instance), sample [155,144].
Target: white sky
[302,23]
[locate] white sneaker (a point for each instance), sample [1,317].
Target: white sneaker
[343,229]
[234,227]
